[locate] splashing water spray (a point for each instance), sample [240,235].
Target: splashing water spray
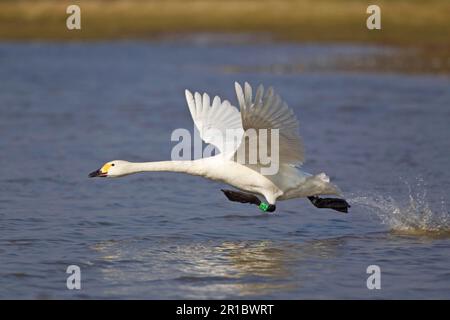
[410,216]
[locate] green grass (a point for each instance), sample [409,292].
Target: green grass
[404,22]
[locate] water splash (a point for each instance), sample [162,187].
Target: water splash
[408,215]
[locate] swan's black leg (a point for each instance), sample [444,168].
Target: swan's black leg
[331,203]
[243,197]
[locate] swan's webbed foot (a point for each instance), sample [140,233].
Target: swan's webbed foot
[331,203]
[243,197]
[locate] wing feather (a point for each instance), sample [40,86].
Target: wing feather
[212,120]
[269,111]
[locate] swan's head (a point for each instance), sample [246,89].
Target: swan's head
[112,169]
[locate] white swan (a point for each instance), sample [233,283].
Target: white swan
[265,111]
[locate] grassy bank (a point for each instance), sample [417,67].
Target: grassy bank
[405,23]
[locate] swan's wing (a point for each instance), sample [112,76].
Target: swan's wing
[219,123]
[268,111]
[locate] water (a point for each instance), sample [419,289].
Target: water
[67,108]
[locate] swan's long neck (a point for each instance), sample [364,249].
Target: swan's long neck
[189,167]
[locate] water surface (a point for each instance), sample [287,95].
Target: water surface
[67,108]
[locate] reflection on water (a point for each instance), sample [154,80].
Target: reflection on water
[201,269]
[152,267]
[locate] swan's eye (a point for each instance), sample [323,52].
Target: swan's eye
[113,164]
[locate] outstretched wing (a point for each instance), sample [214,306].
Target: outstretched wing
[219,123]
[268,111]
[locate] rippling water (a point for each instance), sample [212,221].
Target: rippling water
[67,108]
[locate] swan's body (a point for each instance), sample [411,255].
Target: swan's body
[266,111]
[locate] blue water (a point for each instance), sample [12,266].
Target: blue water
[65,109]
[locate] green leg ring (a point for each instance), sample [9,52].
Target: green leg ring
[263,206]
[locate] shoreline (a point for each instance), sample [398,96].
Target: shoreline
[410,26]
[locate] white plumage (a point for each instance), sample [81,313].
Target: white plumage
[266,110]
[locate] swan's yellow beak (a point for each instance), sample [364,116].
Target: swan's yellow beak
[102,172]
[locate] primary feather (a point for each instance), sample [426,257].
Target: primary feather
[216,122]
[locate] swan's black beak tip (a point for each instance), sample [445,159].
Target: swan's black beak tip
[94,174]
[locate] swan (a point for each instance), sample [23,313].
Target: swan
[266,110]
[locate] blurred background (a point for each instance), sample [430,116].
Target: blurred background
[374,111]
[419,29]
